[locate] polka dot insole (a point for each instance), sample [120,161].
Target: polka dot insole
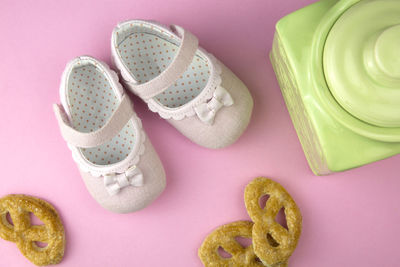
[91,102]
[147,55]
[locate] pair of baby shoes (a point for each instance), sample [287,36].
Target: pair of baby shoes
[180,81]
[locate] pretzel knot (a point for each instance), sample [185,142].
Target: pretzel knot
[272,242]
[25,235]
[224,237]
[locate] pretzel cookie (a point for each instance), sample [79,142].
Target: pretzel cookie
[26,235]
[224,237]
[272,242]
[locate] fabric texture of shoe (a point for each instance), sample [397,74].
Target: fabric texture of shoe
[182,82]
[117,161]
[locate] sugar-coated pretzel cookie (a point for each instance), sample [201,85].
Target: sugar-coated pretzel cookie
[272,242]
[25,235]
[224,237]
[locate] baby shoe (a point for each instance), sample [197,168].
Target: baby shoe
[180,81]
[116,159]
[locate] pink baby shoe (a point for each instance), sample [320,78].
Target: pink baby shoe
[180,81]
[117,161]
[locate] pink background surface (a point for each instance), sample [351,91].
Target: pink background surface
[349,219]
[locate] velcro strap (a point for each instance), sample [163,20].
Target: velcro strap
[180,63]
[118,119]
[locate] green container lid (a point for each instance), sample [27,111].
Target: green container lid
[361,61]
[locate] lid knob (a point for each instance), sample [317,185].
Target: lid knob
[387,52]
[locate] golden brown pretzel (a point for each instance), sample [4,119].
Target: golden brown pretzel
[224,236]
[25,235]
[272,242]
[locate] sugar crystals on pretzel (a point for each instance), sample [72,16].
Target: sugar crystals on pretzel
[25,235]
[272,242]
[224,237]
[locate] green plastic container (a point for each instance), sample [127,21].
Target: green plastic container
[338,66]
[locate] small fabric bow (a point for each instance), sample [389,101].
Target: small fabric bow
[114,182]
[207,111]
